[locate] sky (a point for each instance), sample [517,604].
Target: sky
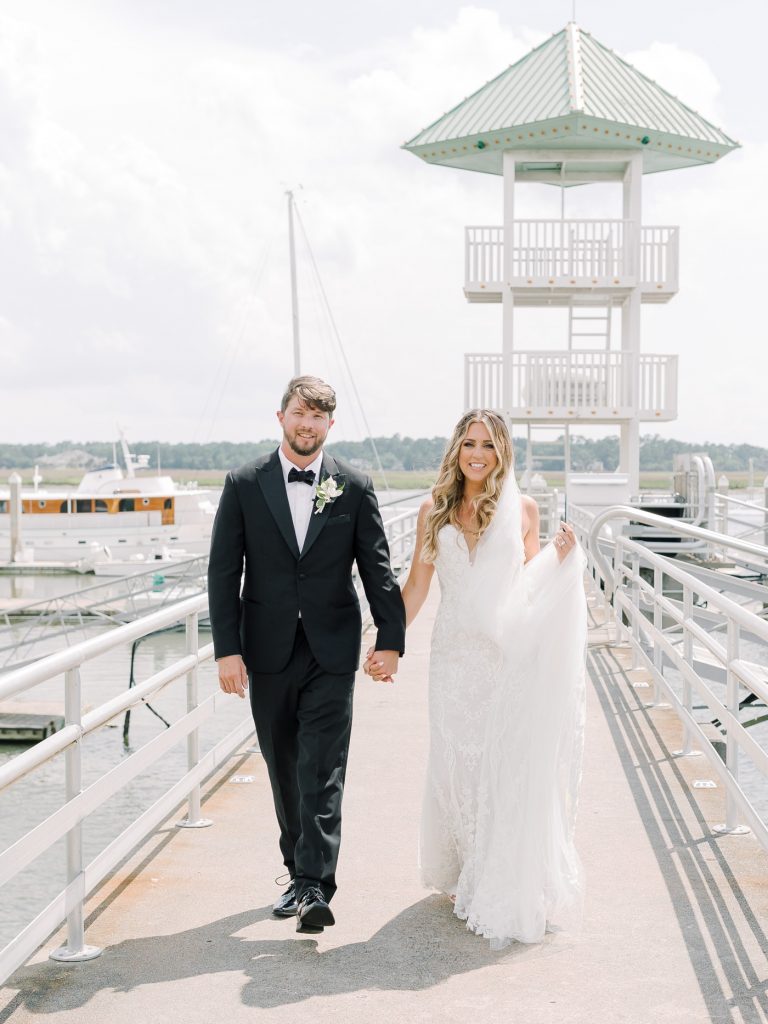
[145,152]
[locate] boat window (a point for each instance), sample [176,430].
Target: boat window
[145,501]
[127,505]
[101,506]
[3,505]
[41,504]
[83,505]
[168,503]
[63,506]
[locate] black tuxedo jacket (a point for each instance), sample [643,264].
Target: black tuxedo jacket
[253,526]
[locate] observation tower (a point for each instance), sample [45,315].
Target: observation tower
[571,113]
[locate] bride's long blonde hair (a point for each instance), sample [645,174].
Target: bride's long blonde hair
[449,488]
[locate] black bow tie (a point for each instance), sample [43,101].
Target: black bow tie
[304,476]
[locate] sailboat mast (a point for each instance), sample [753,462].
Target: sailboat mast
[294,291]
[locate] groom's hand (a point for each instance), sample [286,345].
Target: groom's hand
[382,665]
[233,677]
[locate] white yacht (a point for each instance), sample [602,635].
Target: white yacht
[113,516]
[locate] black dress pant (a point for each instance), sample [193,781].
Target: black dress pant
[303,718]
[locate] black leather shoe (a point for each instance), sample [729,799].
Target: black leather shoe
[286,905]
[313,912]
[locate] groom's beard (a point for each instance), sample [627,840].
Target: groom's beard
[304,445]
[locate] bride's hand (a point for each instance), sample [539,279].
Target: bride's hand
[367,662]
[565,541]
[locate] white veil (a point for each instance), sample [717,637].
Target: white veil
[536,615]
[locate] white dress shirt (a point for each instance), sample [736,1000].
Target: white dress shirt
[301,496]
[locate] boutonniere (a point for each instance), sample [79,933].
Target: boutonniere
[328,490]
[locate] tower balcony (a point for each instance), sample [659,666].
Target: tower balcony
[554,262]
[587,386]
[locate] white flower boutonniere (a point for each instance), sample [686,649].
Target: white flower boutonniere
[328,490]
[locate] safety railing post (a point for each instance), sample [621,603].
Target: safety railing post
[635,624]
[194,817]
[75,950]
[687,750]
[732,826]
[658,629]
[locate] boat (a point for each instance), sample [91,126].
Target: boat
[115,517]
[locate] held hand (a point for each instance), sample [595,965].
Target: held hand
[382,665]
[565,541]
[233,677]
[367,662]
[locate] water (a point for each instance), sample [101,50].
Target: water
[42,588]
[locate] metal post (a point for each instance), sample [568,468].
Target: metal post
[16,542]
[723,484]
[731,826]
[765,505]
[635,624]
[75,949]
[611,587]
[687,750]
[294,289]
[194,818]
[658,626]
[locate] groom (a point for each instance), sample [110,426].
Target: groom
[296,520]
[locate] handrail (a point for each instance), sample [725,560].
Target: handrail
[671,631]
[62,661]
[718,540]
[739,501]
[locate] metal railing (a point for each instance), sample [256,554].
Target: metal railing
[730,515]
[675,633]
[67,822]
[24,626]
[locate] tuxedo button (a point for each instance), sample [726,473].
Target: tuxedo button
[302,575]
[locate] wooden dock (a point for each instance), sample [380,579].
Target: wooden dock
[675,926]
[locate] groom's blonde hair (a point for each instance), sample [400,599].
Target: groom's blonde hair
[449,487]
[312,391]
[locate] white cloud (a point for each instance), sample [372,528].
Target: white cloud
[136,217]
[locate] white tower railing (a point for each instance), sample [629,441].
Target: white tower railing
[573,254]
[594,384]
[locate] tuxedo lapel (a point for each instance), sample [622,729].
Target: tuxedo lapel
[319,519]
[272,484]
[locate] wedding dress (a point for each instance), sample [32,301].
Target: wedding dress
[506,693]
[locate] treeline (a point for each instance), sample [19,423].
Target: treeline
[395,452]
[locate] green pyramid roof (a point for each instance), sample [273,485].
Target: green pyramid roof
[571,93]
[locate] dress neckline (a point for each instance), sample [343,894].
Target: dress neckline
[471,552]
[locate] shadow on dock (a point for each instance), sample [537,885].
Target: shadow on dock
[714,915]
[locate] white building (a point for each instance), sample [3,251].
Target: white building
[573,113]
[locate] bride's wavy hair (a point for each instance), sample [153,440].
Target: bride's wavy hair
[449,487]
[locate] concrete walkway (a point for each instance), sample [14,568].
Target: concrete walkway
[674,926]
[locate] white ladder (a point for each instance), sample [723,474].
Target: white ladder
[590,323]
[542,449]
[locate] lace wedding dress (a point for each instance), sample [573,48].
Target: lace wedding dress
[506,692]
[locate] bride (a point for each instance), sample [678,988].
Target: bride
[506,694]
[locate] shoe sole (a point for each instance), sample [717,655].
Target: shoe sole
[284,913]
[308,930]
[316,918]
